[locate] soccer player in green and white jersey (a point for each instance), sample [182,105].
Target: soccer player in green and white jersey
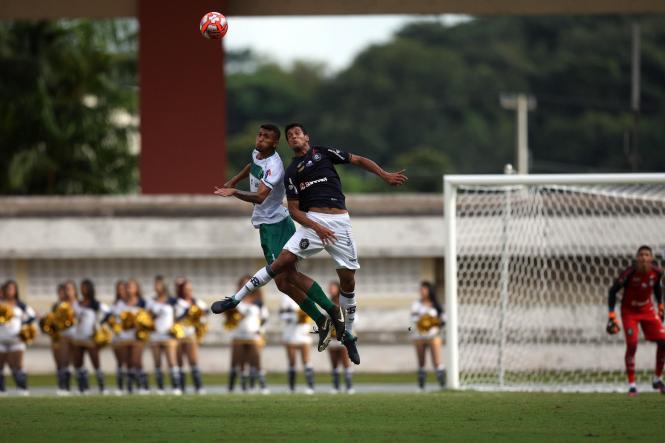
[271,218]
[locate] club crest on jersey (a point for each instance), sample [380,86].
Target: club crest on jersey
[268,173]
[304,243]
[316,156]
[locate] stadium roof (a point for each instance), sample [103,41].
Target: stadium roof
[42,9]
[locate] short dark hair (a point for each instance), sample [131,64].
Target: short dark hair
[272,128]
[290,126]
[645,248]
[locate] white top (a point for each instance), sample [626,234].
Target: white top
[270,171]
[251,325]
[21,314]
[181,308]
[422,315]
[87,320]
[297,326]
[163,314]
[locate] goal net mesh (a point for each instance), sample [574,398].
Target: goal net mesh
[534,267]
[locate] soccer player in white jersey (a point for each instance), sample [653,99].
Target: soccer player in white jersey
[271,218]
[317,203]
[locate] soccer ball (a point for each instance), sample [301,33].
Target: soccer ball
[213,25]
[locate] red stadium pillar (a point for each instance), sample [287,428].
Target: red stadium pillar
[182,99]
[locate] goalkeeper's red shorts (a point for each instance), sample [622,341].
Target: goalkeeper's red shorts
[651,325]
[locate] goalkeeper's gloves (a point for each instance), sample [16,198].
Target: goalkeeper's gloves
[612,324]
[661,311]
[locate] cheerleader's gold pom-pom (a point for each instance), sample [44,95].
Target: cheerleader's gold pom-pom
[102,336]
[177,331]
[28,333]
[6,313]
[194,314]
[144,321]
[201,330]
[426,322]
[113,323]
[48,325]
[303,317]
[64,316]
[232,318]
[127,320]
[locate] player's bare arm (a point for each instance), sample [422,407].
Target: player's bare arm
[326,235]
[252,197]
[392,178]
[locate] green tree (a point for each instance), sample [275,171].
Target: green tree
[65,89]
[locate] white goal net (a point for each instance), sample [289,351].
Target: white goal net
[529,261]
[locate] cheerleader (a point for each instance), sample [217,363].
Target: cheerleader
[256,372]
[338,353]
[427,318]
[296,337]
[163,339]
[65,328]
[192,315]
[16,319]
[246,325]
[113,321]
[129,346]
[90,336]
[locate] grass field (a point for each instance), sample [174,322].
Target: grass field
[447,416]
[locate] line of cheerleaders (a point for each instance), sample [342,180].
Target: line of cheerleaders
[172,328]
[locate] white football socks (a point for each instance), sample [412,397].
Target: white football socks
[347,301]
[259,279]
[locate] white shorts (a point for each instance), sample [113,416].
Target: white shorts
[11,346]
[305,243]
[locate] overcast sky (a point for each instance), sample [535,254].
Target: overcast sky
[335,40]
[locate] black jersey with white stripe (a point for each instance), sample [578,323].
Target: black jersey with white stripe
[313,180]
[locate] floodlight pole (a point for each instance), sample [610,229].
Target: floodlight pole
[521,103]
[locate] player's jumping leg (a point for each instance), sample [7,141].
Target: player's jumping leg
[347,301]
[285,263]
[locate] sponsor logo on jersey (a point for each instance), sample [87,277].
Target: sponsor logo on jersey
[305,185]
[255,281]
[268,172]
[304,243]
[309,163]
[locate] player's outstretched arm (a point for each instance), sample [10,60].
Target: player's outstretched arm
[326,235]
[392,178]
[252,197]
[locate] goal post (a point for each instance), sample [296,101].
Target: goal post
[528,262]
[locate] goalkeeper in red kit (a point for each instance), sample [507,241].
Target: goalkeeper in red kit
[639,282]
